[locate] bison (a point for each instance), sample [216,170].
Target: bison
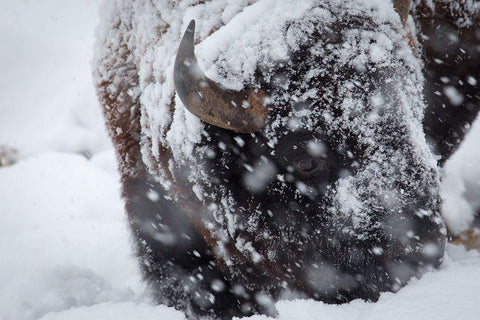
[308,162]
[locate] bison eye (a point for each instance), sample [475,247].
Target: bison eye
[307,165]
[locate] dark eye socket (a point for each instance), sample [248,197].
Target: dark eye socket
[307,165]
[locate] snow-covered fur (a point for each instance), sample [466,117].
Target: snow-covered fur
[336,198]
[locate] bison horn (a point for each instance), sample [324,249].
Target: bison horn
[402,7]
[239,111]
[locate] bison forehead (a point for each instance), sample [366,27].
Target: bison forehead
[268,37]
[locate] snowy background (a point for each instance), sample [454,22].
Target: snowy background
[64,245]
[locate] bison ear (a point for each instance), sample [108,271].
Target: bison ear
[451,58]
[402,7]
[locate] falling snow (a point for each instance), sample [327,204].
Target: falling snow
[65,248]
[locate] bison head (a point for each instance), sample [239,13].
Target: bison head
[316,175]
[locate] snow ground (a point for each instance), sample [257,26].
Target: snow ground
[63,238]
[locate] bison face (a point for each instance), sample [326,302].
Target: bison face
[305,214]
[316,178]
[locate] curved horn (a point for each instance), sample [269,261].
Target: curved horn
[239,111]
[402,7]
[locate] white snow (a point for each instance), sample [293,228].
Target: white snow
[461,184]
[118,311]
[64,244]
[64,240]
[455,97]
[45,81]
